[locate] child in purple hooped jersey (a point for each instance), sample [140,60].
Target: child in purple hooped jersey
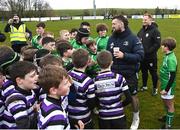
[20,104]
[2,78]
[109,87]
[82,92]
[55,83]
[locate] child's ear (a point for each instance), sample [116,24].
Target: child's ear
[111,62]
[19,80]
[53,90]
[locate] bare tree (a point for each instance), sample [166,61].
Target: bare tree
[21,7]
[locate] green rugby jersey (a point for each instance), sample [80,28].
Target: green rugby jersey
[77,45]
[35,42]
[169,65]
[101,43]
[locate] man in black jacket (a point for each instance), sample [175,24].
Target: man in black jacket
[127,52]
[151,39]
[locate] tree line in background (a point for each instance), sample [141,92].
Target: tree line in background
[24,8]
[40,8]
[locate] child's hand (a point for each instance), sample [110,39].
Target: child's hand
[163,92]
[36,107]
[80,125]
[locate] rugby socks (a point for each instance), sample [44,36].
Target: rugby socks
[169,118]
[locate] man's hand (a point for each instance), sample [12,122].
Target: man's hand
[118,54]
[27,35]
[10,21]
[163,92]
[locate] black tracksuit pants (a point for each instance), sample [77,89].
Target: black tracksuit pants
[151,66]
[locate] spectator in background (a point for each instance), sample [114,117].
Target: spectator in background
[40,29]
[19,33]
[127,52]
[151,39]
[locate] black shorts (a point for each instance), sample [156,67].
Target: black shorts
[132,82]
[113,123]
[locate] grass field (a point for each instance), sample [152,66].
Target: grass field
[150,107]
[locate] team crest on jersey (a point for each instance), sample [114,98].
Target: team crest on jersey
[126,43]
[147,34]
[112,45]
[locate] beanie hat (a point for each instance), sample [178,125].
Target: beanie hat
[82,32]
[7,57]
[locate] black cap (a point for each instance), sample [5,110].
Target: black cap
[82,32]
[9,59]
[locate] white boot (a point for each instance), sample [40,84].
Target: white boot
[136,121]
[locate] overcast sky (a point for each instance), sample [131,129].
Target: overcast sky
[88,4]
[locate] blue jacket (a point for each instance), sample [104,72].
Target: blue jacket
[132,48]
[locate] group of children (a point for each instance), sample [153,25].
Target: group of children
[56,84]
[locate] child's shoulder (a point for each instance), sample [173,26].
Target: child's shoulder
[78,74]
[108,75]
[48,107]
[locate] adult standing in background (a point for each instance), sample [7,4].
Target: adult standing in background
[151,39]
[18,33]
[127,52]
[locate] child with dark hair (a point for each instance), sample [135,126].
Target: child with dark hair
[168,72]
[55,83]
[82,96]
[40,29]
[65,50]
[49,43]
[109,88]
[93,68]
[73,34]
[102,38]
[20,102]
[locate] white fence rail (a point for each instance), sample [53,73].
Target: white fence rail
[92,17]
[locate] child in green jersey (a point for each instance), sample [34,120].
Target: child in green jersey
[167,78]
[93,68]
[102,38]
[65,50]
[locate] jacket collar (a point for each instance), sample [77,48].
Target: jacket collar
[123,34]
